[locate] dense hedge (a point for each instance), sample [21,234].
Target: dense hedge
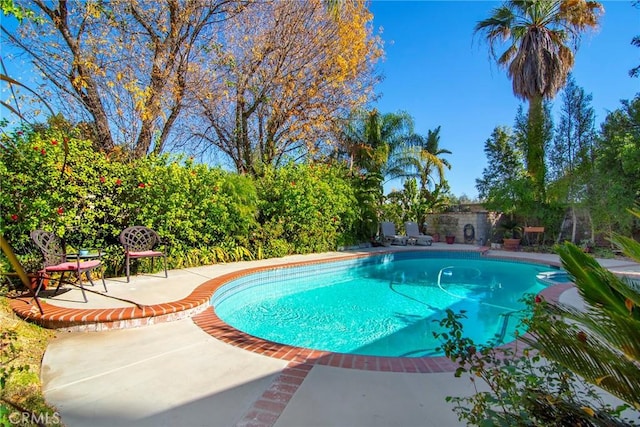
[206,214]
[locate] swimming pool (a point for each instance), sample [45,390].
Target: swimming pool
[382,305]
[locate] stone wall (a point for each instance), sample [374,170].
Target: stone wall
[481,221]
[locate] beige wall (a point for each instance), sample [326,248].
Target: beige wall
[481,221]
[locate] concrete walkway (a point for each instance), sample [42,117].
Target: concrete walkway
[174,373]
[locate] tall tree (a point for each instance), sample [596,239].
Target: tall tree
[504,177]
[366,140]
[369,138]
[541,37]
[616,178]
[288,69]
[575,133]
[571,158]
[421,158]
[123,66]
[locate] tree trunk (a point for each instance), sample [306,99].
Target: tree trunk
[574,226]
[535,147]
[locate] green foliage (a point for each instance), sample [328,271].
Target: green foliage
[366,187]
[8,354]
[204,214]
[22,346]
[503,183]
[516,386]
[413,204]
[305,208]
[602,342]
[421,158]
[616,178]
[10,8]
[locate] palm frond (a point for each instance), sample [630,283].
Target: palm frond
[602,342]
[591,278]
[583,353]
[628,246]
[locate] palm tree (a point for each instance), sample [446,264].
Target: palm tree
[370,137]
[421,158]
[542,36]
[367,140]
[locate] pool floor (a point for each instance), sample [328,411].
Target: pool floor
[387,307]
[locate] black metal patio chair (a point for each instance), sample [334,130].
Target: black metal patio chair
[141,242]
[55,261]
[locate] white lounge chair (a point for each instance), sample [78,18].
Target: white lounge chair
[389,236]
[413,233]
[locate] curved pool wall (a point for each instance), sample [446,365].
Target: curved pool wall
[274,276]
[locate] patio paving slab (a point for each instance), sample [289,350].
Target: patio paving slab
[167,374]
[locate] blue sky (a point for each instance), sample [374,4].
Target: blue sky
[437,71]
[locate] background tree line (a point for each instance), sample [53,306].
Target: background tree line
[544,173]
[592,172]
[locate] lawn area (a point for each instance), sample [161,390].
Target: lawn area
[22,346]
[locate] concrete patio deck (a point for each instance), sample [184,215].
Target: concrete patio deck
[108,367]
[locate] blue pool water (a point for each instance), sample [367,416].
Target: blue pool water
[381,305]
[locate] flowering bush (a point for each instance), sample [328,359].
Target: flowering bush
[53,179]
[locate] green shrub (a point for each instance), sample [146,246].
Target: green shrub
[519,387]
[88,197]
[311,207]
[205,214]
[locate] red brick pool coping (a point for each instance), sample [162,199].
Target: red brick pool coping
[214,326]
[197,306]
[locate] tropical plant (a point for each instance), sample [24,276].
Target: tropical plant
[601,343]
[516,386]
[408,203]
[511,229]
[368,140]
[541,37]
[421,158]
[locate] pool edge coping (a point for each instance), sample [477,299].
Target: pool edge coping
[197,307]
[209,322]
